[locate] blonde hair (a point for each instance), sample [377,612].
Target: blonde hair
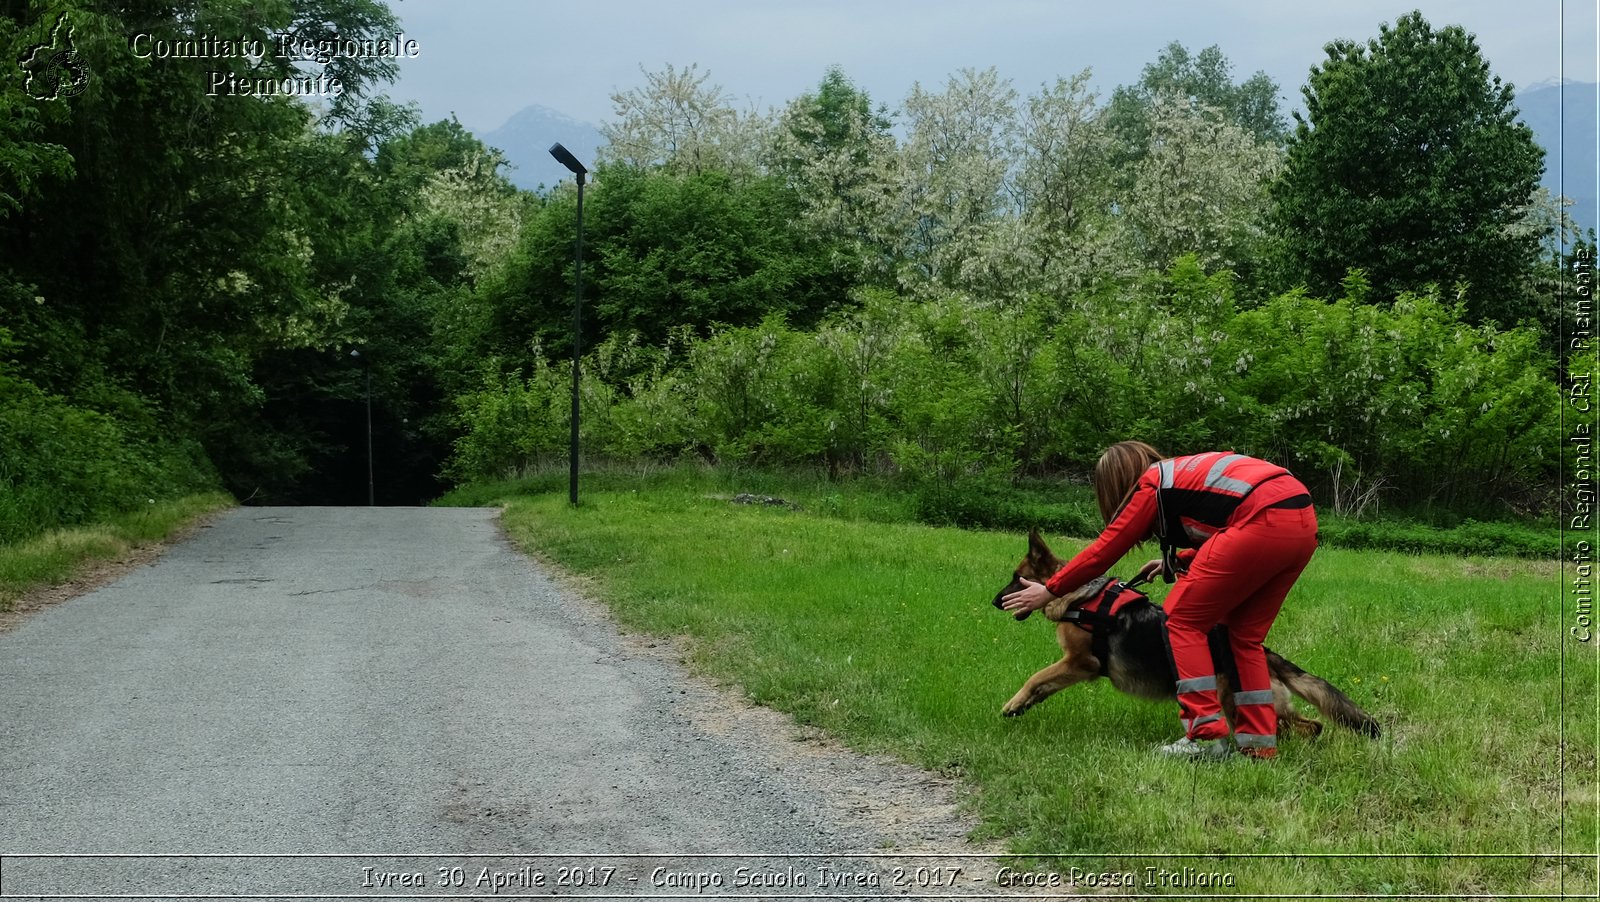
[1116,473]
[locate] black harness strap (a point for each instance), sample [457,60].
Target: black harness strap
[1166,643]
[1087,618]
[1097,613]
[1222,659]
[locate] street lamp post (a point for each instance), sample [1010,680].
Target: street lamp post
[367,365]
[565,158]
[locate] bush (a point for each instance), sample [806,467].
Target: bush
[1407,401]
[1405,405]
[510,423]
[63,464]
[1470,538]
[993,504]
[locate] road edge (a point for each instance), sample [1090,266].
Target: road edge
[95,572]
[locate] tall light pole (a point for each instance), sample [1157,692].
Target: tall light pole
[367,365]
[565,158]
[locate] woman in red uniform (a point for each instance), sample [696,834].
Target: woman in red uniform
[1239,531]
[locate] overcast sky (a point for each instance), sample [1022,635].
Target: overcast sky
[484,60]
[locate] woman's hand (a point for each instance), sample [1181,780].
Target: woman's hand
[1031,597]
[1149,571]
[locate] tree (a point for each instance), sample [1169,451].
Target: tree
[700,250]
[678,121]
[460,186]
[25,162]
[1200,187]
[1062,184]
[954,170]
[1202,80]
[186,265]
[662,250]
[839,158]
[837,118]
[1409,164]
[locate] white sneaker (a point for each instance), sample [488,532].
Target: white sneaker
[1208,750]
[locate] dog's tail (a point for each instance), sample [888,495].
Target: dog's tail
[1322,695]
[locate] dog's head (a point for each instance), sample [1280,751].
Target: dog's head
[1038,565]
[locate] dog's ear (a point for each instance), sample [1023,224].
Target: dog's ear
[1038,551]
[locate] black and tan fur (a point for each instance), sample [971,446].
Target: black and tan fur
[1138,663]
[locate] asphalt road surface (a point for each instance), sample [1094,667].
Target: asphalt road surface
[393,703]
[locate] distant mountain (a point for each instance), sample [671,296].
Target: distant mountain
[526,137]
[1545,106]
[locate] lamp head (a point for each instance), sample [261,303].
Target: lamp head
[565,158]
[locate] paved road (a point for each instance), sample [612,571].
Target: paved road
[295,683]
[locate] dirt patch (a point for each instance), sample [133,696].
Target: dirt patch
[91,575]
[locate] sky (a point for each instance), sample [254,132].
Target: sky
[483,60]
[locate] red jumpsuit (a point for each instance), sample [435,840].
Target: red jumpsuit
[1255,531]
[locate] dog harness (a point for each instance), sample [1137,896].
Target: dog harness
[1102,609]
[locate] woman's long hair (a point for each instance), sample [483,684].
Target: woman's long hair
[1116,473]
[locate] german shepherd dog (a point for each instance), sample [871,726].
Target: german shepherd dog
[1128,646]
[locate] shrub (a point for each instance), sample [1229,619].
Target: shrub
[1471,537]
[1370,405]
[63,464]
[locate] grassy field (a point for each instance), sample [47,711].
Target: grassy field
[882,633]
[59,555]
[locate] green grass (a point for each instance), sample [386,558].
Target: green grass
[1056,505]
[881,633]
[864,498]
[57,555]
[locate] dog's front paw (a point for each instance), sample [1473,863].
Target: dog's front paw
[1014,708]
